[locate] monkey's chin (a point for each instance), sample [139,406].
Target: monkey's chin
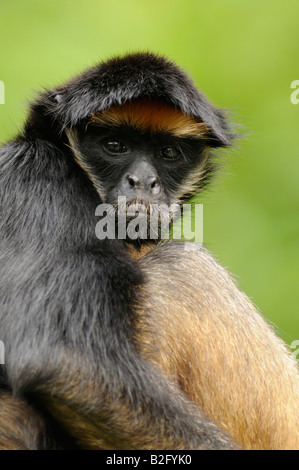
[143,221]
[136,208]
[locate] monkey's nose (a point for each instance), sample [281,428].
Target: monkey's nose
[148,184]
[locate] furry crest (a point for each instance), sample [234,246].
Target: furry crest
[118,80]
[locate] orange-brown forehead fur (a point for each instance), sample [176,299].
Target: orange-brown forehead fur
[153,116]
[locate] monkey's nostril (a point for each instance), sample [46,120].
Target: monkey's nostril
[131,182]
[154,185]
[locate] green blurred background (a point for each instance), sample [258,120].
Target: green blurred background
[243,55]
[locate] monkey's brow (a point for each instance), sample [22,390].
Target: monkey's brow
[148,134]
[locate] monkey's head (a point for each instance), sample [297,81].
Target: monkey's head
[139,129]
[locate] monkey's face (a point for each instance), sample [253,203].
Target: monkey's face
[144,158]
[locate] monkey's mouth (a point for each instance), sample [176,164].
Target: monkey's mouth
[134,208]
[140,208]
[142,220]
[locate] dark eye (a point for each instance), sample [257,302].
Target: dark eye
[170,153]
[115,146]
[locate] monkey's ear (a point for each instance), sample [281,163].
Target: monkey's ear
[121,79]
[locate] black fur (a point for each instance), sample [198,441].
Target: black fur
[119,80]
[66,314]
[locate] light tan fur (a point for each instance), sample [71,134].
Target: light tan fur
[151,115]
[73,145]
[205,334]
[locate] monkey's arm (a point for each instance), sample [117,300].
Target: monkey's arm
[206,335]
[78,363]
[125,409]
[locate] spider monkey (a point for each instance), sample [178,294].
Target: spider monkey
[127,343]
